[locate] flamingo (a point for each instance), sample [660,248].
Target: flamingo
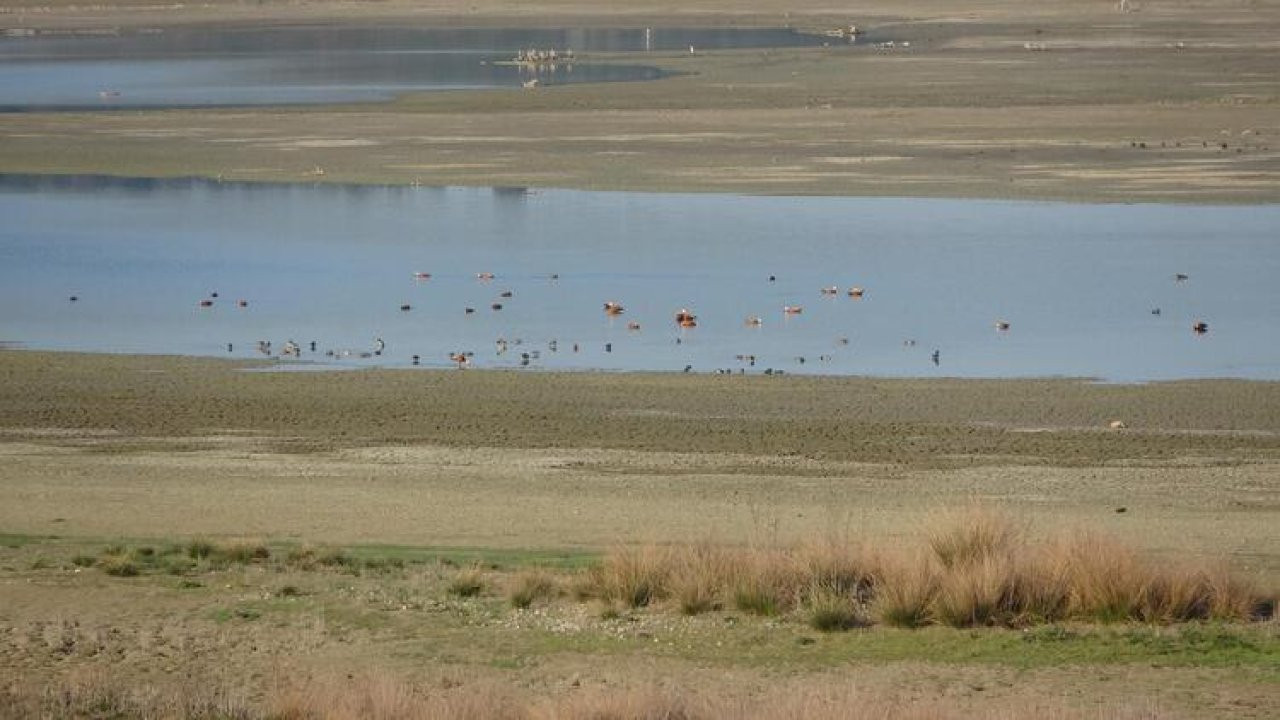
[792,309]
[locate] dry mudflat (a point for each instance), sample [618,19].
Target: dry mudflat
[106,446]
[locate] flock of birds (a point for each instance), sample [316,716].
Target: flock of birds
[684,319]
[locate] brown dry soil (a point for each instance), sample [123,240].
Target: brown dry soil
[1173,101]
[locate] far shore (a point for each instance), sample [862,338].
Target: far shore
[1059,101]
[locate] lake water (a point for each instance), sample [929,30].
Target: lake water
[334,264]
[196,67]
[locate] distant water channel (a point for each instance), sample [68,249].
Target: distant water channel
[202,67]
[1077,284]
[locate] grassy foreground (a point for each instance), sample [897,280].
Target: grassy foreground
[201,629]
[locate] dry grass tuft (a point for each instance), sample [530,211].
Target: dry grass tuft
[765,582]
[635,576]
[905,598]
[532,586]
[1232,597]
[976,567]
[831,611]
[1106,577]
[971,535]
[840,567]
[468,582]
[980,592]
[698,578]
[92,694]
[1041,589]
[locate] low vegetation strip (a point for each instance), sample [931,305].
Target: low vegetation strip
[973,569]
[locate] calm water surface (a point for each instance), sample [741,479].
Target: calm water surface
[209,67]
[334,264]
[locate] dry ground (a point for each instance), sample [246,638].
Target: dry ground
[966,110]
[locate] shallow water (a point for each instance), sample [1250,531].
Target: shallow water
[209,67]
[334,264]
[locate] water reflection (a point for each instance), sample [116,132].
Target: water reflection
[193,67]
[1077,284]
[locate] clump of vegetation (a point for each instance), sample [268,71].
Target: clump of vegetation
[119,566]
[830,610]
[698,576]
[531,586]
[965,537]
[384,564]
[764,582]
[289,591]
[335,557]
[634,577]
[905,598]
[241,553]
[975,568]
[469,582]
[200,549]
[978,592]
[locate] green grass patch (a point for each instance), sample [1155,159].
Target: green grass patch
[493,559]
[13,541]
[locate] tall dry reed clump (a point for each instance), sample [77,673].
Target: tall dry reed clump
[698,577]
[704,577]
[977,567]
[632,576]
